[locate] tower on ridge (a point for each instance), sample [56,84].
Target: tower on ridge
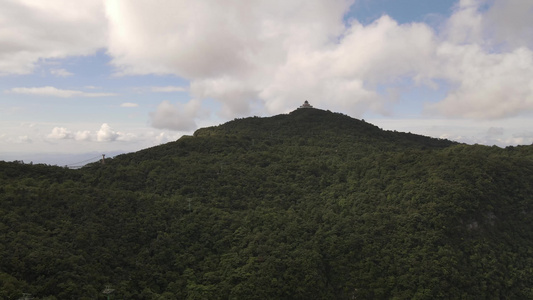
[306,105]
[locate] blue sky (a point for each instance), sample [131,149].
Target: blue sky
[84,78]
[403,11]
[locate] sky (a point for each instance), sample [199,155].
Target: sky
[83,78]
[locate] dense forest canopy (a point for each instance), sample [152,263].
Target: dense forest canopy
[307,205]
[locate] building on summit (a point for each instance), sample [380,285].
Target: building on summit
[306,105]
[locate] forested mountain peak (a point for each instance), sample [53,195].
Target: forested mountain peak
[308,127]
[300,122]
[312,123]
[306,205]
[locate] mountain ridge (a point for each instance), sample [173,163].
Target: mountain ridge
[314,121]
[303,126]
[312,204]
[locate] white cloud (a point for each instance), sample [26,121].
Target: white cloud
[466,23]
[60,133]
[55,92]
[18,142]
[105,134]
[168,89]
[487,59]
[180,116]
[229,51]
[84,135]
[280,53]
[206,39]
[275,54]
[509,22]
[17,139]
[486,85]
[36,30]
[129,104]
[235,96]
[345,75]
[61,72]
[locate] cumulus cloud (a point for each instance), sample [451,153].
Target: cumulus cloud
[278,54]
[214,38]
[509,22]
[504,24]
[229,51]
[180,116]
[486,85]
[235,96]
[55,92]
[36,30]
[60,133]
[105,134]
[275,54]
[466,23]
[84,135]
[345,76]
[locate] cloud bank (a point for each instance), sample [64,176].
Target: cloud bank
[280,53]
[104,134]
[176,117]
[32,31]
[275,54]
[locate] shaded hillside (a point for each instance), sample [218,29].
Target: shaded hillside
[309,205]
[302,127]
[319,127]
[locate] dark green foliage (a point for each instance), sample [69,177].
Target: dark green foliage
[310,205]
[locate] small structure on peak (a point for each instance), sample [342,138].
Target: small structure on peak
[306,105]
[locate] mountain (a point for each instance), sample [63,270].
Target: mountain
[306,205]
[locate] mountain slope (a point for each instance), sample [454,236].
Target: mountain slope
[309,205]
[316,124]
